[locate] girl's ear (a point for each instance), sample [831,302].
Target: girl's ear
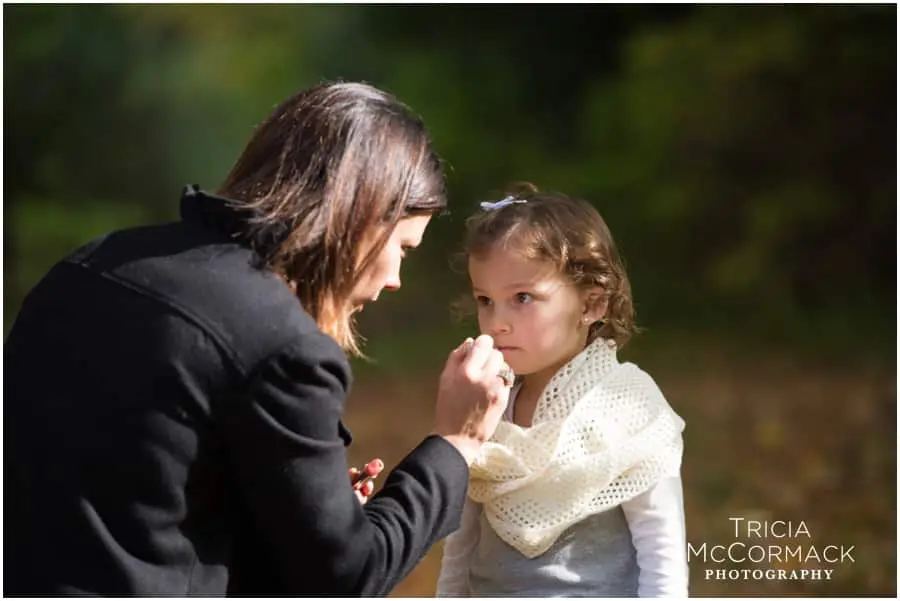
[595,305]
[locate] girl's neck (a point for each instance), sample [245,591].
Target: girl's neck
[530,393]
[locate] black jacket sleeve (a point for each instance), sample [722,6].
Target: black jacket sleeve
[291,463]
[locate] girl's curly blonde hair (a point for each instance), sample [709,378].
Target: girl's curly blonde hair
[567,232]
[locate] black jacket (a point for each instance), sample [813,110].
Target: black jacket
[172,426]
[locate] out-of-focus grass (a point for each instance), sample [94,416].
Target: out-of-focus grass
[770,435]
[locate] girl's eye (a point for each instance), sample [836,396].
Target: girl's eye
[483,301]
[524,298]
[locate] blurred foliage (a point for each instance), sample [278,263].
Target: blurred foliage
[744,157]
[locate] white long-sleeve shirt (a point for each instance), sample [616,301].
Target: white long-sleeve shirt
[638,548]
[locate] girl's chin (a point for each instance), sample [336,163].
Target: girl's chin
[517,367]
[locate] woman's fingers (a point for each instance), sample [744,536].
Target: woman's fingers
[374,467]
[364,491]
[370,470]
[492,369]
[460,353]
[474,364]
[363,487]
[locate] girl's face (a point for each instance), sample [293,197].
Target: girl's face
[535,315]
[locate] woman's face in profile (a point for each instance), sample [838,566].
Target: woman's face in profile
[384,273]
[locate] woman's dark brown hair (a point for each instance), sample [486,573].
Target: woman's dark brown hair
[327,177]
[568,233]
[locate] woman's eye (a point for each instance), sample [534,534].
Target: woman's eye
[483,301]
[524,298]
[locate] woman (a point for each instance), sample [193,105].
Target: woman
[174,393]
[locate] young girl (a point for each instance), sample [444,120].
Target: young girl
[578,492]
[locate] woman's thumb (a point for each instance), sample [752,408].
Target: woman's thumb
[462,351]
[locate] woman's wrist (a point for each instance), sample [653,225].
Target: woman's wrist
[467,446]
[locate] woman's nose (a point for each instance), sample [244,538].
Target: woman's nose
[393,282]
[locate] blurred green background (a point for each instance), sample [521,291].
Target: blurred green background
[743,156]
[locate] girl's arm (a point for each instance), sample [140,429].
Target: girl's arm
[453,580]
[656,521]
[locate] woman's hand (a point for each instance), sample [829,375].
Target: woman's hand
[362,483]
[472,396]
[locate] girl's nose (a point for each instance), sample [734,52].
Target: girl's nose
[498,325]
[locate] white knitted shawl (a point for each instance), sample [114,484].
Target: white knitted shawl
[602,433]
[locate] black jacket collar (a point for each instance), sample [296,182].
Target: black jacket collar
[221,214]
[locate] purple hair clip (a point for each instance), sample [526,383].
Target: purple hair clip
[493,206]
